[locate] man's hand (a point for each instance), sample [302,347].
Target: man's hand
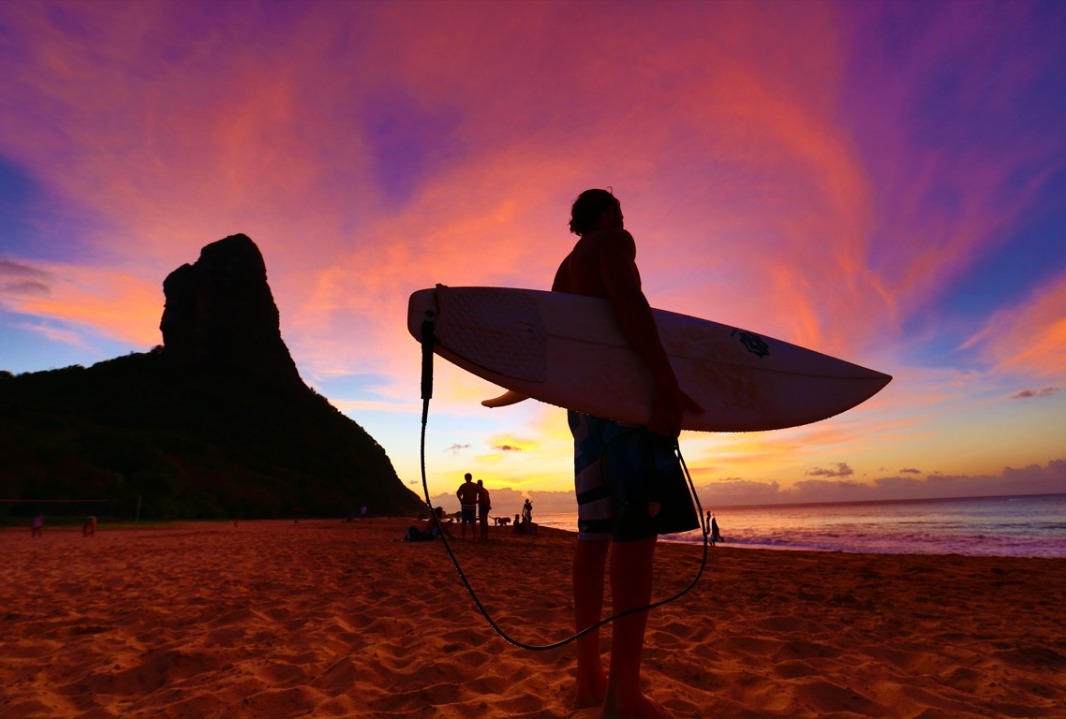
[667,409]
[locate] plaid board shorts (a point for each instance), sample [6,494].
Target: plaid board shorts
[618,471]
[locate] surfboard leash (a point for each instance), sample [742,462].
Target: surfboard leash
[428,340]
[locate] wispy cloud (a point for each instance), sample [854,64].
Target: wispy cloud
[21,279]
[53,333]
[827,174]
[1031,393]
[842,470]
[1029,339]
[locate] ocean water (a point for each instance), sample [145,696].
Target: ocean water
[1027,526]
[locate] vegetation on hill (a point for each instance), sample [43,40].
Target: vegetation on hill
[163,440]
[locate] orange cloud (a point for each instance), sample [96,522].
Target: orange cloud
[112,302]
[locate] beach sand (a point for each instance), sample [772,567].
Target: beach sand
[334,619]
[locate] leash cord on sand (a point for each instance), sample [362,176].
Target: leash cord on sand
[427,393]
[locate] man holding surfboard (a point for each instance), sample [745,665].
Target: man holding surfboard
[603,264]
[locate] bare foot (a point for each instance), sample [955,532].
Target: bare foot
[591,690]
[643,708]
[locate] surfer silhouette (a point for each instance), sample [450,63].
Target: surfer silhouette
[616,516]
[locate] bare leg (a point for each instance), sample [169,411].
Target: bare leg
[590,561]
[631,574]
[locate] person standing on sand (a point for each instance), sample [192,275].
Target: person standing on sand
[37,526]
[603,264]
[483,507]
[467,495]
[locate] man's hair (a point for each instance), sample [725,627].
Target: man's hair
[587,208]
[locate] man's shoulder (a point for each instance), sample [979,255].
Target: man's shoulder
[611,245]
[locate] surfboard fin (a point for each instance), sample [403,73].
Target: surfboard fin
[507,398]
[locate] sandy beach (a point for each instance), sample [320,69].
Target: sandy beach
[331,619]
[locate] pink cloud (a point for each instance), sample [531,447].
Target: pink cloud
[1029,339]
[956,158]
[766,185]
[235,139]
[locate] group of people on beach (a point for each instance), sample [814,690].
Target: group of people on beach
[711,526]
[523,524]
[475,503]
[88,526]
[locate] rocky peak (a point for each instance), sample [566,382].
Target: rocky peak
[220,310]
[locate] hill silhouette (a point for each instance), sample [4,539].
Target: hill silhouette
[215,423]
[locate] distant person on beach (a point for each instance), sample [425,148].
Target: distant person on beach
[527,513]
[88,527]
[484,504]
[710,528]
[435,526]
[467,495]
[603,264]
[37,526]
[716,536]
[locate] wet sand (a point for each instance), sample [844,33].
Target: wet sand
[334,619]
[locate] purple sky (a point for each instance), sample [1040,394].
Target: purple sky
[885,182]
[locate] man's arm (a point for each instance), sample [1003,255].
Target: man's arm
[621,279]
[559,283]
[618,271]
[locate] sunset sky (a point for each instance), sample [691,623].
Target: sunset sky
[884,182]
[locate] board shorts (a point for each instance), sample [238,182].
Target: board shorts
[470,514]
[620,473]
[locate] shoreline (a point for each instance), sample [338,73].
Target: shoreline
[327,618]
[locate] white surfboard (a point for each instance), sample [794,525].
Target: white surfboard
[567,350]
